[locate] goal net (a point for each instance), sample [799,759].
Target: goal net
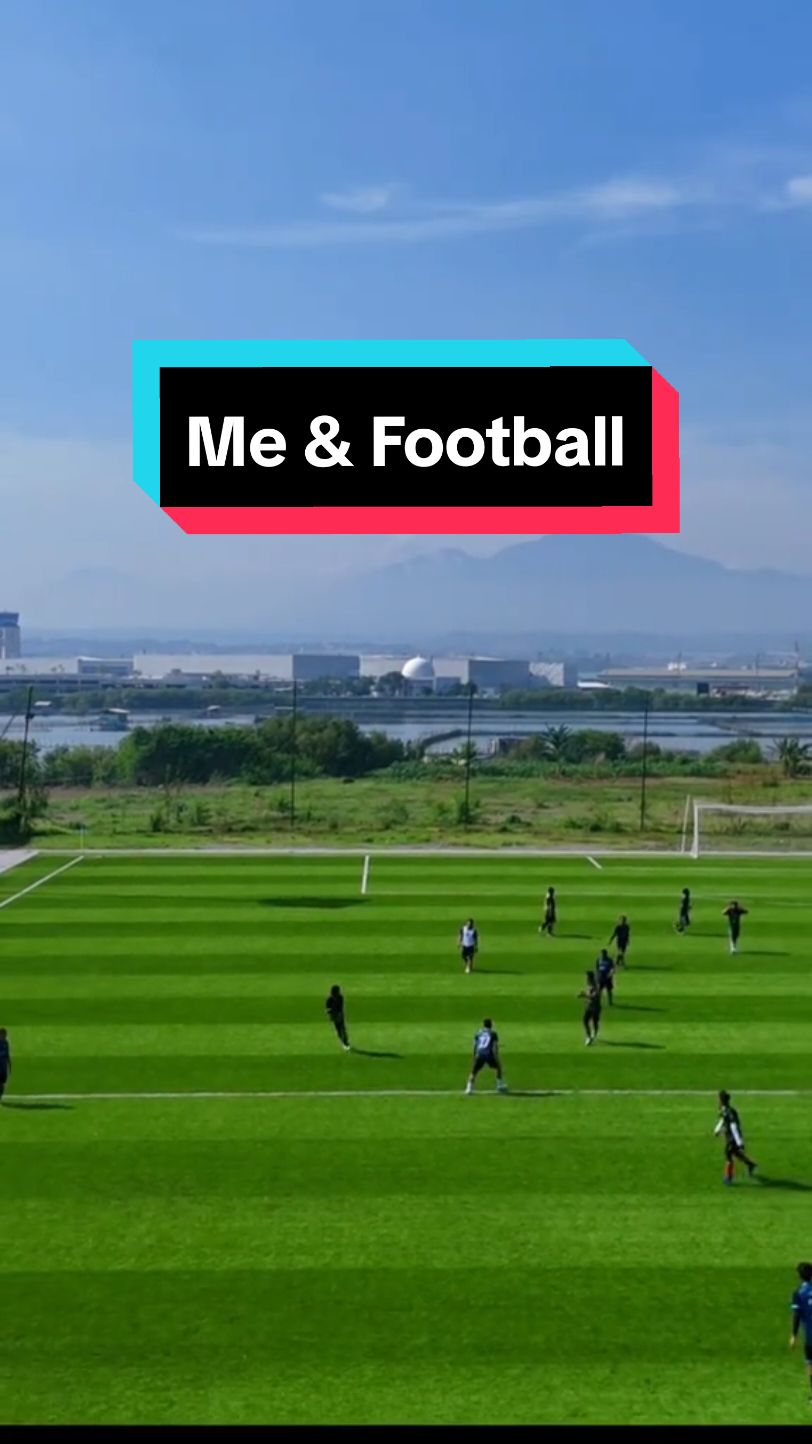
[724,827]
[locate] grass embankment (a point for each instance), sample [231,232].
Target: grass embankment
[506,811]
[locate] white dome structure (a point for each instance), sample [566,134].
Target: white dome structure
[420,670]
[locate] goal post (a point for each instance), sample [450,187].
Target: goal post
[777,828]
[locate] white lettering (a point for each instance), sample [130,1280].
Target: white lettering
[453,447]
[380,440]
[232,434]
[497,433]
[263,444]
[412,453]
[520,437]
[579,445]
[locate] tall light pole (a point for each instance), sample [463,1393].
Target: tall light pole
[644,766]
[294,717]
[468,745]
[24,756]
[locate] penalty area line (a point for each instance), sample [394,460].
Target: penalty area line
[281,1094]
[40,882]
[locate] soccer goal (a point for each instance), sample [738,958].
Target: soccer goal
[724,827]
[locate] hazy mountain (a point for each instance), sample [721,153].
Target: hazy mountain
[548,592]
[567,585]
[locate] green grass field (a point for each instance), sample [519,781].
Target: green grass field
[346,1238]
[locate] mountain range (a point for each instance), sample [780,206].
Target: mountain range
[540,590]
[571,585]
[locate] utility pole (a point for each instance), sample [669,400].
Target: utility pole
[293,739]
[24,758]
[468,745]
[644,768]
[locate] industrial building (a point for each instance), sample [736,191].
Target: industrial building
[705,681]
[10,635]
[441,674]
[194,669]
[555,674]
[64,674]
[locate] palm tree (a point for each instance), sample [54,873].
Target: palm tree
[793,755]
[556,742]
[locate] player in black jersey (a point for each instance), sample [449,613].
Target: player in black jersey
[334,1007]
[621,936]
[605,974]
[5,1061]
[730,1126]
[549,920]
[486,1055]
[684,918]
[592,1010]
[734,914]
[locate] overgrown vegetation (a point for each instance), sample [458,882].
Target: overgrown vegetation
[179,781]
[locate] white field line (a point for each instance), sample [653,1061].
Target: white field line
[282,1094]
[39,883]
[594,862]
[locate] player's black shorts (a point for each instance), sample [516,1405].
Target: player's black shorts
[808,1350]
[732,1150]
[592,1015]
[483,1060]
[468,954]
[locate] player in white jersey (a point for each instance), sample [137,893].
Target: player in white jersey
[486,1055]
[468,944]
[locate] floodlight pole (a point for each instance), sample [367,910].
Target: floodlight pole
[468,735]
[644,766]
[24,757]
[294,716]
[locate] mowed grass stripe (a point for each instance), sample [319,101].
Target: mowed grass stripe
[573,1067]
[341,1231]
[672,993]
[225,1010]
[225,1259]
[397,1315]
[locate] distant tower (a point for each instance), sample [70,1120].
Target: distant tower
[10,639]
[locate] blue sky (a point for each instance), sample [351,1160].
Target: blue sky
[432,168]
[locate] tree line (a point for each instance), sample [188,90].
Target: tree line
[322,746]
[178,753]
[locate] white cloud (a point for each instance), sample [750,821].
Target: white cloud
[628,197]
[364,200]
[613,200]
[728,183]
[799,190]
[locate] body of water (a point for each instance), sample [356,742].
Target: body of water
[685,731]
